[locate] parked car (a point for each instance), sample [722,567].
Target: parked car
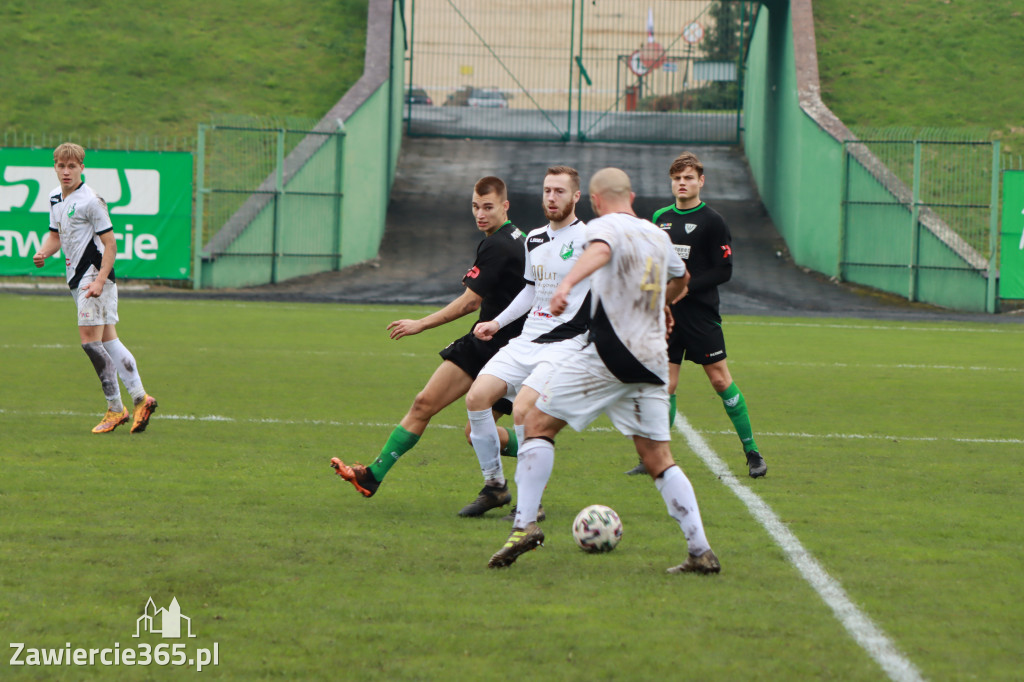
[490,98]
[459,98]
[417,95]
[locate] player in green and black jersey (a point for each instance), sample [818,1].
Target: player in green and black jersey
[702,239]
[495,279]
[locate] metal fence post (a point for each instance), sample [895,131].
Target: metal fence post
[844,207]
[278,205]
[579,73]
[991,302]
[412,62]
[915,226]
[197,257]
[339,185]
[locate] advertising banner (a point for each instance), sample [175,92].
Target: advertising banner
[148,195]
[1011,251]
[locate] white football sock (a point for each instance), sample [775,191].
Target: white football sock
[124,361]
[677,491]
[533,469]
[104,367]
[483,433]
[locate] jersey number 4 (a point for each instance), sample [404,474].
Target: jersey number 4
[652,282]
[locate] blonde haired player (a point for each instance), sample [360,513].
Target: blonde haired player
[80,225]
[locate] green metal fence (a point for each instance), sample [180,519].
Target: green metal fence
[662,71]
[273,218]
[270,203]
[920,215]
[128,143]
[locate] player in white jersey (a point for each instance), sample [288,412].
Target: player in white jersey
[81,227]
[623,371]
[518,369]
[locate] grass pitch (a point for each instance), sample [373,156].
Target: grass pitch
[891,451]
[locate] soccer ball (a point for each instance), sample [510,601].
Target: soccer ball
[597,528]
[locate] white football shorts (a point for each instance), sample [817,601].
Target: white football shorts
[580,388]
[98,310]
[522,362]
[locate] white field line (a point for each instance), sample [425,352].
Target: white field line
[869,636]
[437,425]
[871,436]
[901,365]
[1002,329]
[391,354]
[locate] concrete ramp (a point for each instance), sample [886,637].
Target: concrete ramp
[431,239]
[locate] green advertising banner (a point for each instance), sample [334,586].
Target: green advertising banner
[148,195]
[1011,246]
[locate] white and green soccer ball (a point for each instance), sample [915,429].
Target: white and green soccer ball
[597,528]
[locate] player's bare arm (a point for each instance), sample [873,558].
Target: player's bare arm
[519,306]
[670,321]
[50,246]
[95,287]
[677,288]
[593,259]
[465,304]
[485,331]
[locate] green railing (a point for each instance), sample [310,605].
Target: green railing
[128,143]
[260,217]
[920,215]
[271,195]
[911,212]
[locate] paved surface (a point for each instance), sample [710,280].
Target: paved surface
[430,240]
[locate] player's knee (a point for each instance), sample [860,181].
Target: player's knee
[519,412]
[424,406]
[539,424]
[719,384]
[476,400]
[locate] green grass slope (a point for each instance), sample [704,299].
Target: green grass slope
[159,68]
[109,68]
[923,63]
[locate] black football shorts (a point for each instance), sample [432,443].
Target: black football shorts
[470,354]
[697,336]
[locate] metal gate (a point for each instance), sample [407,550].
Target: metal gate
[662,71]
[920,216]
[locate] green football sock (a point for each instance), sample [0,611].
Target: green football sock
[399,442]
[511,448]
[736,408]
[671,410]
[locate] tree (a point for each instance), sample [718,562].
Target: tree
[723,35]
[723,39]
[727,28]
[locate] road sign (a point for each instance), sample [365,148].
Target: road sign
[693,33]
[653,55]
[636,64]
